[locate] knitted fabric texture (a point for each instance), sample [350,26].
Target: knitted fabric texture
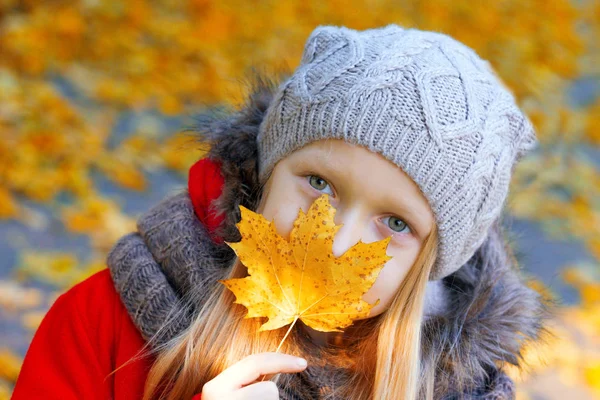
[425,102]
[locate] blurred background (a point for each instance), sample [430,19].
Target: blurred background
[95,95]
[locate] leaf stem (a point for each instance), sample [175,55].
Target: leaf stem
[286,334]
[282,340]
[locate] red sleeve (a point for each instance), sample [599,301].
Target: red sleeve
[73,351]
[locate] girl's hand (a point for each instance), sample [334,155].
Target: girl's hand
[239,380]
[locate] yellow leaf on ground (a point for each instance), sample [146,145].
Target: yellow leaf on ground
[8,205]
[10,364]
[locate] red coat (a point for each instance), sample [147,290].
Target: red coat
[87,333]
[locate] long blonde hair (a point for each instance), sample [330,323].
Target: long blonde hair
[219,336]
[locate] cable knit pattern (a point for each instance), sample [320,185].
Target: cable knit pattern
[424,101]
[161,270]
[143,286]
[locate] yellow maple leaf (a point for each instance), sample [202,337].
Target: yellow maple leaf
[301,278]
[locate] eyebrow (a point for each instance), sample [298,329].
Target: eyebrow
[321,157]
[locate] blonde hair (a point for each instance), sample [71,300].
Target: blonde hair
[202,351]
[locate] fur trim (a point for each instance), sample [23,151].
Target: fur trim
[491,316]
[232,142]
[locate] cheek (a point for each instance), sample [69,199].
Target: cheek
[389,279]
[281,205]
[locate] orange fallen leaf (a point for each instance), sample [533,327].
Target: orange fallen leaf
[301,278]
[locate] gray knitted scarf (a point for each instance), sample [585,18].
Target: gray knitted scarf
[165,269]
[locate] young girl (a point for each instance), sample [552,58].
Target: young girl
[411,135]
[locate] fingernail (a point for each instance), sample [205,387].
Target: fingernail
[302,362]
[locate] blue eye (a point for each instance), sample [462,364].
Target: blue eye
[396,224]
[319,183]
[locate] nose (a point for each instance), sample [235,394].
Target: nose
[349,233]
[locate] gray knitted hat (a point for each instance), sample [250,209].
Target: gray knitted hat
[421,99]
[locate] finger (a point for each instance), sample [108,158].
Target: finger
[250,368]
[258,391]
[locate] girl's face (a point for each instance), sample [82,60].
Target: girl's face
[373,198]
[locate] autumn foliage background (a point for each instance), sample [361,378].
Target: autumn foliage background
[94,96]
